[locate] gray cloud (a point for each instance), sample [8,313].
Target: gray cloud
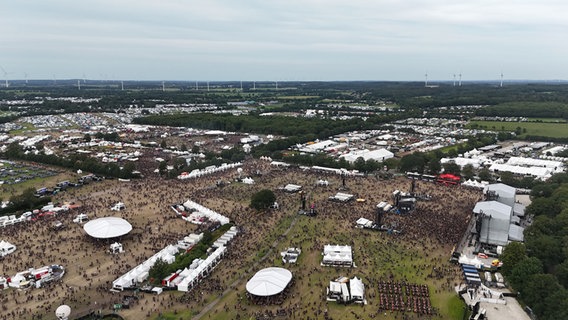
[276,39]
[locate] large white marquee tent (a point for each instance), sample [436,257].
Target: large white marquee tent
[108,227]
[268,282]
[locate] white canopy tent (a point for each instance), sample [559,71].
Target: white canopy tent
[108,227]
[268,282]
[357,289]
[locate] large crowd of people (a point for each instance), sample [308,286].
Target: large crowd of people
[90,270]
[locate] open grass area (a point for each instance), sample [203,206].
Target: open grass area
[553,130]
[8,190]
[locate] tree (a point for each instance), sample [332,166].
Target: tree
[195,149]
[359,164]
[468,172]
[372,165]
[262,200]
[561,273]
[434,166]
[484,174]
[163,144]
[452,167]
[163,167]
[159,270]
[87,137]
[127,170]
[183,147]
[523,270]
[537,290]
[513,253]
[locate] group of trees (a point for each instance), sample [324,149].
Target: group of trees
[24,201]
[549,109]
[538,269]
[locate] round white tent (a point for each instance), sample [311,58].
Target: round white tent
[108,227]
[269,282]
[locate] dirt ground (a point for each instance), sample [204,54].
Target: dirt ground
[419,254]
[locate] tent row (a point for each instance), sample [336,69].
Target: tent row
[207,171]
[191,277]
[199,268]
[336,255]
[474,184]
[226,237]
[140,273]
[189,241]
[199,212]
[11,220]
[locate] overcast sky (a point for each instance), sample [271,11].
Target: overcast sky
[284,40]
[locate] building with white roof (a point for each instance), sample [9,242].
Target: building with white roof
[379,155]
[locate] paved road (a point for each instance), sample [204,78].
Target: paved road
[245,275]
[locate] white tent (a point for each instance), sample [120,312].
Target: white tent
[6,248]
[108,227]
[269,282]
[357,289]
[337,255]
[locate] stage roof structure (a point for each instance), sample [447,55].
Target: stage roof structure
[108,227]
[268,282]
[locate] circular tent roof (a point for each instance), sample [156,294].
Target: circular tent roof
[109,227]
[269,281]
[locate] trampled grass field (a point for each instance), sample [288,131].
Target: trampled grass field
[545,129]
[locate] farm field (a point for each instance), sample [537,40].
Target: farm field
[419,255]
[552,130]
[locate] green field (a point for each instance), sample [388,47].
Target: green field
[552,130]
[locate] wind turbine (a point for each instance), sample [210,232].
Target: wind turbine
[454,79]
[5,76]
[241,85]
[163,86]
[460,82]
[196,85]
[26,77]
[254,85]
[79,84]
[207,86]
[121,85]
[276,84]
[426,80]
[501,84]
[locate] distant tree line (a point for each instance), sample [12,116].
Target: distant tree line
[527,109]
[538,269]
